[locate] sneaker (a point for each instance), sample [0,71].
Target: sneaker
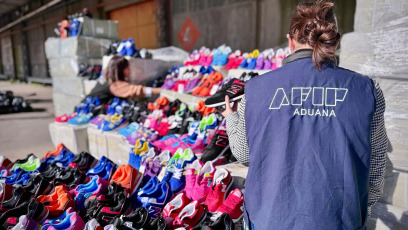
[203,182]
[166,141]
[178,180]
[126,131]
[223,222]
[72,221]
[30,163]
[37,185]
[134,155]
[157,224]
[5,163]
[80,119]
[234,89]
[65,117]
[57,203]
[197,146]
[26,223]
[120,205]
[219,188]
[218,147]
[71,178]
[115,121]
[95,187]
[93,225]
[191,177]
[59,218]
[104,169]
[31,208]
[6,191]
[130,47]
[155,200]
[19,196]
[154,167]
[83,161]
[128,177]
[138,219]
[97,120]
[191,215]
[147,188]
[56,152]
[64,158]
[233,205]
[19,177]
[174,207]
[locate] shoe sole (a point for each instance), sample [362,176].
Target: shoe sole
[219,155]
[223,103]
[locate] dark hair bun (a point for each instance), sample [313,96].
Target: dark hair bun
[315,24]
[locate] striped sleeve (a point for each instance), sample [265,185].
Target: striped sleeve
[236,131]
[379,143]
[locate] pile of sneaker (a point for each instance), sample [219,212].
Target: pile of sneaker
[90,72]
[13,104]
[223,56]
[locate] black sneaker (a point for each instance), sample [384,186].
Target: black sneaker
[108,211]
[38,185]
[218,147]
[157,224]
[83,161]
[136,220]
[223,222]
[52,171]
[235,90]
[19,197]
[71,178]
[22,161]
[93,203]
[31,208]
[171,108]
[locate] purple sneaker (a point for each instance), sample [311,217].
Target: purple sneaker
[25,222]
[153,167]
[168,83]
[260,62]
[268,64]
[97,120]
[192,84]
[132,138]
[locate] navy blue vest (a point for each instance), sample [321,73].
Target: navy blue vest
[309,147]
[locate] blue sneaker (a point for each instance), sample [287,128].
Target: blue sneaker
[178,180]
[104,169]
[114,122]
[59,219]
[83,105]
[134,156]
[74,28]
[148,188]
[131,128]
[223,59]
[112,107]
[19,177]
[244,64]
[64,158]
[215,57]
[130,47]
[80,119]
[155,200]
[252,64]
[172,164]
[122,48]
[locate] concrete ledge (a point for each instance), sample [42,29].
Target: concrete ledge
[42,80]
[387,217]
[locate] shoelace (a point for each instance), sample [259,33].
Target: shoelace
[178,172]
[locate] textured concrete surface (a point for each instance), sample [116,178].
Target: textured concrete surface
[24,133]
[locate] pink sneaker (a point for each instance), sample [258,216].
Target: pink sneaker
[191,176]
[203,182]
[233,205]
[219,188]
[186,143]
[174,207]
[166,141]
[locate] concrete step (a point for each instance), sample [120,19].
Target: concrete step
[388,217]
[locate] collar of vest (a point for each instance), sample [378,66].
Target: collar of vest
[298,54]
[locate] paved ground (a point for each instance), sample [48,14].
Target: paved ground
[23,133]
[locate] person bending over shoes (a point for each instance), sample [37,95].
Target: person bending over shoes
[312,134]
[116,76]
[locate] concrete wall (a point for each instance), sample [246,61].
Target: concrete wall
[245,24]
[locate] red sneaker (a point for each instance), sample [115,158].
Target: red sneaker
[6,191]
[5,163]
[128,177]
[219,188]
[174,207]
[191,215]
[233,205]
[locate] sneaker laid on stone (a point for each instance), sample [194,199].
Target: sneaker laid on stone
[233,206]
[191,176]
[219,189]
[203,182]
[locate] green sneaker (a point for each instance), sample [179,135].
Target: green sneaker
[29,164]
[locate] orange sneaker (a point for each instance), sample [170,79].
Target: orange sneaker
[57,202]
[128,177]
[205,82]
[201,107]
[56,152]
[213,80]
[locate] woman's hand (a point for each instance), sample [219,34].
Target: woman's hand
[228,108]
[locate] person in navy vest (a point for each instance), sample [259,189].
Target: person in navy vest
[312,134]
